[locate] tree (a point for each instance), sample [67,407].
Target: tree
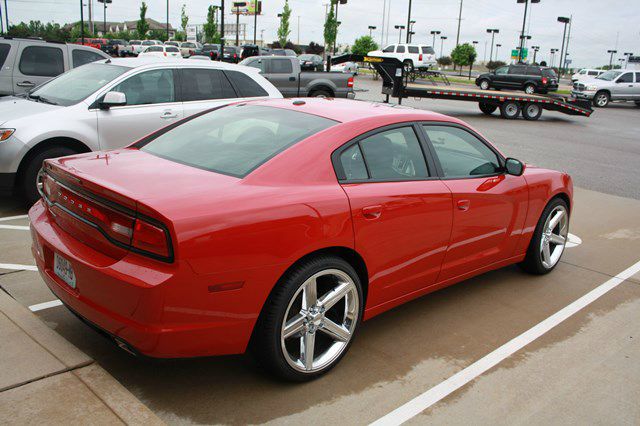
[364,45]
[492,65]
[330,29]
[463,55]
[294,47]
[211,34]
[158,35]
[284,30]
[445,61]
[184,19]
[315,49]
[142,26]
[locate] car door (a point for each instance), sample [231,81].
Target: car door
[623,87]
[500,77]
[7,55]
[151,104]
[280,73]
[489,206]
[36,64]
[204,88]
[401,212]
[516,77]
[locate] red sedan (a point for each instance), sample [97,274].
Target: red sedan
[280,225]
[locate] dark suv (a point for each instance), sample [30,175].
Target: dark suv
[530,78]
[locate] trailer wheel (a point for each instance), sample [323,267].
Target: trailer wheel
[487,108]
[531,111]
[510,110]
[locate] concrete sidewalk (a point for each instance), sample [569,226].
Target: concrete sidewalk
[44,378]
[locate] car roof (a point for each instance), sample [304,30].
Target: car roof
[344,110]
[151,61]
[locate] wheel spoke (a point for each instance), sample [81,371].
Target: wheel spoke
[557,239]
[556,219]
[309,293]
[334,296]
[337,332]
[307,347]
[293,326]
[546,253]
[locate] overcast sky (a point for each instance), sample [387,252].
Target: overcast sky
[597,25]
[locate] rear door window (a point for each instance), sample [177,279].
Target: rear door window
[533,71]
[414,49]
[280,66]
[41,61]
[428,50]
[625,78]
[638,77]
[247,86]
[4,52]
[204,84]
[517,69]
[82,57]
[593,73]
[400,49]
[353,164]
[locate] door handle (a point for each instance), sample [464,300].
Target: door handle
[25,84]
[464,205]
[168,114]
[372,212]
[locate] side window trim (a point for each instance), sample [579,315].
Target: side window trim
[426,152]
[439,169]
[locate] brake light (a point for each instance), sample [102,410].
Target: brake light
[420,57]
[350,82]
[544,80]
[165,53]
[235,56]
[150,238]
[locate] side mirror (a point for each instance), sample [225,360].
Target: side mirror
[112,99]
[514,167]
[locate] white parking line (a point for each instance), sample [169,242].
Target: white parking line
[22,216]
[18,267]
[45,305]
[455,382]
[17,227]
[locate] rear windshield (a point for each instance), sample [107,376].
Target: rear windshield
[429,50]
[237,139]
[548,72]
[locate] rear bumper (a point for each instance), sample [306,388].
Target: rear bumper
[158,310]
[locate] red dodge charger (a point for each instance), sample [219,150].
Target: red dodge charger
[280,225]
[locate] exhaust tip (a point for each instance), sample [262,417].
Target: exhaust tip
[124,346]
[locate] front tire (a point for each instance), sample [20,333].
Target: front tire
[601,99]
[310,320]
[549,239]
[29,179]
[484,84]
[530,89]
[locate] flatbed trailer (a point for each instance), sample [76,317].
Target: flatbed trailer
[396,83]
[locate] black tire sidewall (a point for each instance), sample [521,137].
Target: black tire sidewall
[503,109]
[526,115]
[266,344]
[596,97]
[28,179]
[485,81]
[530,85]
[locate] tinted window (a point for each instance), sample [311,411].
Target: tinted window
[247,86]
[533,71]
[517,69]
[502,70]
[81,57]
[626,78]
[400,49]
[593,73]
[235,140]
[280,66]
[201,84]
[414,49]
[389,48]
[154,49]
[150,87]
[148,43]
[394,154]
[41,61]
[549,72]
[429,50]
[638,77]
[460,153]
[353,163]
[172,49]
[135,42]
[4,52]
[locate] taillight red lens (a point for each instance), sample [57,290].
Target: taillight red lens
[350,82]
[235,56]
[420,58]
[150,238]
[544,80]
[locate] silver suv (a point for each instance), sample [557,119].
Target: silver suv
[27,63]
[613,85]
[110,104]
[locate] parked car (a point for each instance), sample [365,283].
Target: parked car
[27,63]
[212,51]
[172,43]
[530,78]
[411,55]
[188,48]
[161,51]
[87,42]
[283,52]
[586,74]
[136,47]
[285,73]
[613,85]
[231,54]
[346,67]
[280,226]
[112,104]
[249,50]
[120,48]
[310,62]
[100,43]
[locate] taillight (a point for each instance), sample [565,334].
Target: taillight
[350,82]
[235,56]
[165,53]
[544,80]
[211,55]
[150,238]
[420,57]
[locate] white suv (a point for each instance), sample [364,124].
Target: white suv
[110,104]
[413,56]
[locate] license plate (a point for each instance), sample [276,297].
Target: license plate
[63,269]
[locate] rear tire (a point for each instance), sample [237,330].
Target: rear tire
[278,350]
[601,99]
[534,262]
[529,89]
[320,93]
[487,108]
[531,111]
[510,110]
[29,184]
[484,84]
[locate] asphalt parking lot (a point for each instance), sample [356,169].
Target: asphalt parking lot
[581,369]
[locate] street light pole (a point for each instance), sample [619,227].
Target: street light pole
[257,9]
[434,33]
[627,54]
[408,23]
[535,51]
[498,46]
[222,38]
[524,22]
[459,21]
[82,22]
[493,32]
[399,27]
[410,32]
[6,14]
[553,56]
[371,28]
[611,58]
[565,21]
[442,39]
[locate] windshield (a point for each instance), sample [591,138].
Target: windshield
[609,75]
[75,85]
[237,139]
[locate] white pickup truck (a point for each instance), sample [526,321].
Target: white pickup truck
[613,85]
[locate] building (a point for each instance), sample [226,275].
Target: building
[116,27]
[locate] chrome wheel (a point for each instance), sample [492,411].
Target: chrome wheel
[484,85]
[554,236]
[530,90]
[317,329]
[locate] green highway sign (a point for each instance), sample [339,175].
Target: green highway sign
[514,54]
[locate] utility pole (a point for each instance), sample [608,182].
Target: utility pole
[442,39]
[459,22]
[237,23]
[81,22]
[257,9]
[493,32]
[222,39]
[611,58]
[408,24]
[434,33]
[167,28]
[565,21]
[384,15]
